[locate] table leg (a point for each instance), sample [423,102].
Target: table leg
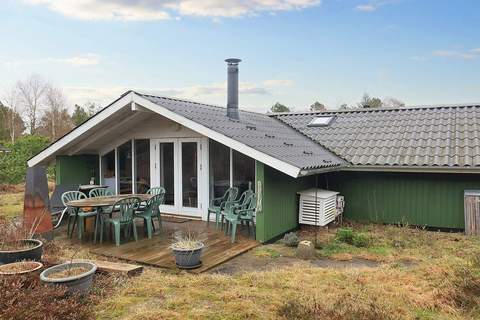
[74,222]
[97,224]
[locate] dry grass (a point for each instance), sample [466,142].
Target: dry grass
[11,204]
[422,275]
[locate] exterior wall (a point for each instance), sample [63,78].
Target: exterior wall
[279,211]
[76,169]
[424,199]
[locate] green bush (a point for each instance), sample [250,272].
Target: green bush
[361,240]
[13,165]
[290,239]
[344,235]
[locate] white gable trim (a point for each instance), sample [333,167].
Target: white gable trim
[80,130]
[132,97]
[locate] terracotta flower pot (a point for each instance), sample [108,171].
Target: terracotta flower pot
[21,267]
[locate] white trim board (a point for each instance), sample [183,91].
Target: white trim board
[139,101]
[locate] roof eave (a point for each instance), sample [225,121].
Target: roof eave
[423,169]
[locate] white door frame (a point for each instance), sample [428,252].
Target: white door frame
[178,207]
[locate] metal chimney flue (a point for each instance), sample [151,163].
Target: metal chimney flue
[232,88]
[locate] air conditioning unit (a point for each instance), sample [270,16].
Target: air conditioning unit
[319,207]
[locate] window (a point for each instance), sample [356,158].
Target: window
[243,172]
[142,165]
[321,121]
[189,174]
[124,163]
[219,156]
[167,171]
[108,170]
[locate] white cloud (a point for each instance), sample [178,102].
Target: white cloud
[88,59]
[149,10]
[366,7]
[209,93]
[373,5]
[278,83]
[467,55]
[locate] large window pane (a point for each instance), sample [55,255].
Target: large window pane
[189,174]
[219,156]
[167,177]
[243,172]
[125,168]
[108,170]
[142,165]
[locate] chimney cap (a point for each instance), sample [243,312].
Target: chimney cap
[232,60]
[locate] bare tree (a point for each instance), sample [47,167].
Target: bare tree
[14,122]
[55,120]
[393,103]
[31,93]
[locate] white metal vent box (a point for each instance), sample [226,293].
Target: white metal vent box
[317,207]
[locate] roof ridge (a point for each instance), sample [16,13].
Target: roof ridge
[365,110]
[192,101]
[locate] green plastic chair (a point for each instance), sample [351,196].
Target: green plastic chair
[237,213]
[156,190]
[151,210]
[218,204]
[125,218]
[72,212]
[100,192]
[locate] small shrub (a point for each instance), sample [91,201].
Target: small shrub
[360,240]
[344,235]
[290,239]
[24,297]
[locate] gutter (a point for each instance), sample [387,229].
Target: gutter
[415,169]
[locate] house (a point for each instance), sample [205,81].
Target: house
[392,165]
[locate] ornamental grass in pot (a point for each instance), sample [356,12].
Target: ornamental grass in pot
[17,241]
[187,250]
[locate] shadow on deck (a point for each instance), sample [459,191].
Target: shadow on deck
[156,252]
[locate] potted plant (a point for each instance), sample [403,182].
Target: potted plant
[187,251]
[20,267]
[76,276]
[17,242]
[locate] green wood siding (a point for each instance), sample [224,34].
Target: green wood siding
[76,169]
[279,202]
[424,199]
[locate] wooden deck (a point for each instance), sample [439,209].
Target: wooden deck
[155,252]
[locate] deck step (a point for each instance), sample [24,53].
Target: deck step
[115,267]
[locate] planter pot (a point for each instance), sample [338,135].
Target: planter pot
[21,267]
[79,283]
[31,253]
[188,258]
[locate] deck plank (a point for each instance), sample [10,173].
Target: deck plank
[156,251]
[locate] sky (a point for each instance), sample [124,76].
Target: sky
[295,52]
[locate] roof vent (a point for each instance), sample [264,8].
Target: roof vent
[232,88]
[321,121]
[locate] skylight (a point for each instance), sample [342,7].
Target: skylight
[322,121]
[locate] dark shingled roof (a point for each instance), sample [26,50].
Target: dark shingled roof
[443,136]
[258,131]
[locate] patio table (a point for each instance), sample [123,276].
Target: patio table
[100,202]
